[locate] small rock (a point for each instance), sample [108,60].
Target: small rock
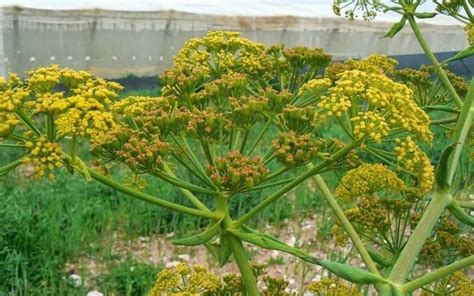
[184,257]
[144,239]
[75,280]
[171,264]
[170,235]
[291,241]
[94,293]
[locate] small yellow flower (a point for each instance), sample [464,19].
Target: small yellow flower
[368,179]
[44,157]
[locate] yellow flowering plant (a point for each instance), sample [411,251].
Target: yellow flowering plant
[240,117]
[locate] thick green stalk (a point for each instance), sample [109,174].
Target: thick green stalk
[345,223]
[152,199]
[429,54]
[235,244]
[245,268]
[466,204]
[300,179]
[461,130]
[409,254]
[438,274]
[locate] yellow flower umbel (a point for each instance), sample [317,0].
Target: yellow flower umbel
[223,52]
[184,280]
[292,149]
[368,179]
[44,79]
[51,103]
[44,157]
[370,124]
[235,172]
[331,287]
[415,161]
[12,93]
[8,122]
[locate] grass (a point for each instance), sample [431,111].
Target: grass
[45,225]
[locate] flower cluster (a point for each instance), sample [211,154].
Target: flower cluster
[141,152]
[375,63]
[235,171]
[446,244]
[370,124]
[44,79]
[470,33]
[292,149]
[8,122]
[44,157]
[368,179]
[332,287]
[415,161]
[51,103]
[208,124]
[389,99]
[298,119]
[184,280]
[222,52]
[247,110]
[315,87]
[375,219]
[12,93]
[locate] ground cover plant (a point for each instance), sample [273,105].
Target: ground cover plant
[239,121]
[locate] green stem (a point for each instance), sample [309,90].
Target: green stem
[189,195]
[408,256]
[180,183]
[12,165]
[438,274]
[466,204]
[192,157]
[461,130]
[27,121]
[429,54]
[444,120]
[73,149]
[12,145]
[345,223]
[260,135]
[152,199]
[50,128]
[300,179]
[245,268]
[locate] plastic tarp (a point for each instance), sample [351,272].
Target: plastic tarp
[115,38]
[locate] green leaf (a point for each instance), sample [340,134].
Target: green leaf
[352,274]
[425,15]
[200,238]
[461,214]
[382,260]
[355,275]
[397,27]
[442,169]
[461,55]
[221,251]
[269,242]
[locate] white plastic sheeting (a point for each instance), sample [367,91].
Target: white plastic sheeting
[115,38]
[301,8]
